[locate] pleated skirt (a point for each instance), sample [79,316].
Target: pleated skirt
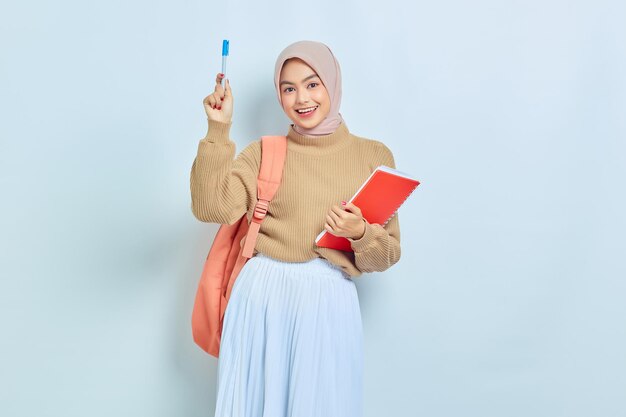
[292,342]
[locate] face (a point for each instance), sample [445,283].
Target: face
[301,88]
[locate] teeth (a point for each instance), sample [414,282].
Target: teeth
[306,110]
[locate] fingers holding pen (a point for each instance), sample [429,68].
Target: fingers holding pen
[218,79]
[219,89]
[218,92]
[215,99]
[219,104]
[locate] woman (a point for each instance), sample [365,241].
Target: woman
[292,341]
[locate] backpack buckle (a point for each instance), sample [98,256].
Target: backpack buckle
[260,209]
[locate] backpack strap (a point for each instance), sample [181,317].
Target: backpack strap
[273,153]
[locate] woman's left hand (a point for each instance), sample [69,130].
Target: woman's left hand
[345,221]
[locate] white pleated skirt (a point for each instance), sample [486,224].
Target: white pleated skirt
[292,342]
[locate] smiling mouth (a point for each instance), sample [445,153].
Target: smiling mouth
[310,111]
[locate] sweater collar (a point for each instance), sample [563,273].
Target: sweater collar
[319,145]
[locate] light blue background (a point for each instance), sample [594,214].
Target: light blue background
[509,299]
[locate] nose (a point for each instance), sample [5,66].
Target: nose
[302,96]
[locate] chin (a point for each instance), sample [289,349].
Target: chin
[308,124]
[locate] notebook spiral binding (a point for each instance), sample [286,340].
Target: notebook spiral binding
[394,213]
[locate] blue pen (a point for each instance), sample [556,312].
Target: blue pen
[224,55]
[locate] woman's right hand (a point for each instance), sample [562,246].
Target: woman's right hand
[219,104]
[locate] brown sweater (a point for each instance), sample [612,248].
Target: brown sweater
[319,171]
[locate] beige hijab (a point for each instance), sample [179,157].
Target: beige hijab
[319,57]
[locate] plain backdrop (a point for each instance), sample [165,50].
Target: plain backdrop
[509,298]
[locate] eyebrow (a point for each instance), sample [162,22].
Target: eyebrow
[289,82]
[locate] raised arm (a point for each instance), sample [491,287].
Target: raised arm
[222,187]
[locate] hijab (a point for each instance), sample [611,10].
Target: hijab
[319,57]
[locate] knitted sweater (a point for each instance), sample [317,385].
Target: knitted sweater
[319,171]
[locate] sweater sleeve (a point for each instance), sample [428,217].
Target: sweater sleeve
[379,247]
[223,187]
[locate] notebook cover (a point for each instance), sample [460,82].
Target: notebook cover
[379,198]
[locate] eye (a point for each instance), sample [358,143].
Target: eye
[313,83]
[285,90]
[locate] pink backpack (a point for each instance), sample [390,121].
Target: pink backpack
[228,255]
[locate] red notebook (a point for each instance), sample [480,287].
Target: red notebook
[379,198]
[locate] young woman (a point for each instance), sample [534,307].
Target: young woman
[292,341]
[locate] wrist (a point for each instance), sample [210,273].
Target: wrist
[222,120]
[218,131]
[360,235]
